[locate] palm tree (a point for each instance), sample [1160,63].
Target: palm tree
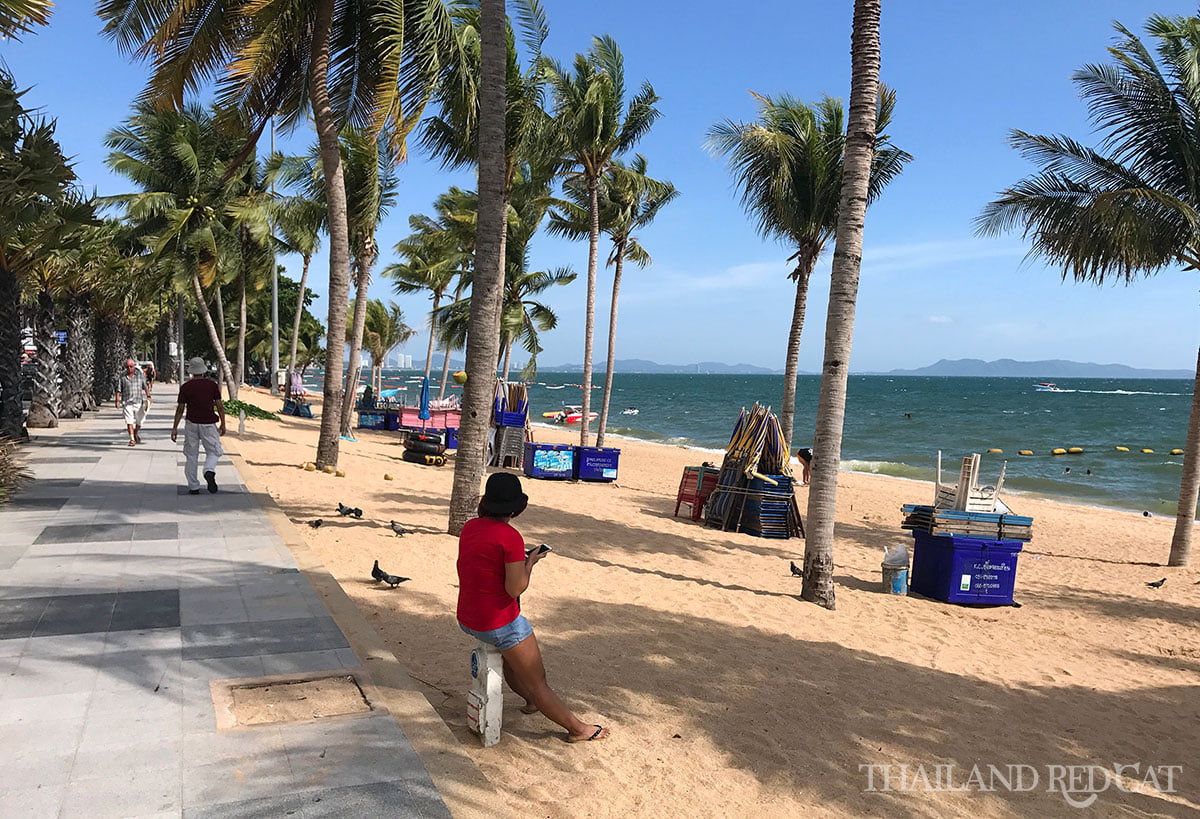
[1133,207]
[358,62]
[591,130]
[482,341]
[788,165]
[629,200]
[36,208]
[254,213]
[843,293]
[428,263]
[371,176]
[453,134]
[385,331]
[371,186]
[184,166]
[19,16]
[299,223]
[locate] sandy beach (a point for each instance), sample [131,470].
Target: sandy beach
[727,695]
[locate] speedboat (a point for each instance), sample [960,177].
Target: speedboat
[630,411]
[569,414]
[1046,386]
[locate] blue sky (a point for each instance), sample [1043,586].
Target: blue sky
[965,73]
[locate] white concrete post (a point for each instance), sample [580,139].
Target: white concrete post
[485,701]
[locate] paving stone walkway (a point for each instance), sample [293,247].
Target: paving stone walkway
[121,598]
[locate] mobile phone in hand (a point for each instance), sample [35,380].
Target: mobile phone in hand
[541,550]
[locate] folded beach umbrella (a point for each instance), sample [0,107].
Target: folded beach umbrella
[423,413]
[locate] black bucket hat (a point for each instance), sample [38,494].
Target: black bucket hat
[503,496]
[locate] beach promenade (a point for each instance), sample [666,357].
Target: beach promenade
[124,602]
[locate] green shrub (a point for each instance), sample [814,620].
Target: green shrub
[234,406]
[12,471]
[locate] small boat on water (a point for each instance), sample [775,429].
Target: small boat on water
[1046,386]
[630,411]
[569,414]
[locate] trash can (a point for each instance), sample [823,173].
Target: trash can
[957,569]
[895,570]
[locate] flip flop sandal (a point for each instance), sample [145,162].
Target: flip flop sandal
[595,736]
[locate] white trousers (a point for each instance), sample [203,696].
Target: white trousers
[194,435]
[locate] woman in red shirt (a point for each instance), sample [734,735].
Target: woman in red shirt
[493,571]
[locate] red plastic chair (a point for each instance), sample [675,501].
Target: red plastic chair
[695,486]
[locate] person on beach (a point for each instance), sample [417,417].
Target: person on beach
[133,396]
[493,571]
[805,458]
[200,398]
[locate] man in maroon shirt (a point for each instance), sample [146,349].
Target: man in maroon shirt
[200,397]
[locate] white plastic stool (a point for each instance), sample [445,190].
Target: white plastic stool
[485,700]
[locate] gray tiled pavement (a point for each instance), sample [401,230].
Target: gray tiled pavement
[120,599]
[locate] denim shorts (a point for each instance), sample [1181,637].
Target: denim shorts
[504,637]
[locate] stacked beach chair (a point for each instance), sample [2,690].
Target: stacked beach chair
[966,543]
[754,488]
[510,422]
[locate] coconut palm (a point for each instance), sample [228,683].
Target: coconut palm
[253,213]
[788,164]
[1131,208]
[429,262]
[482,340]
[843,293]
[629,200]
[186,170]
[385,331]
[371,186]
[593,126]
[19,16]
[358,62]
[299,222]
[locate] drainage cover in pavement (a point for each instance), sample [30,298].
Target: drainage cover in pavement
[297,700]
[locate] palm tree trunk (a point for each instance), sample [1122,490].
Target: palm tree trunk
[843,295]
[437,301]
[446,353]
[445,372]
[76,365]
[590,316]
[12,414]
[482,338]
[241,342]
[339,235]
[612,344]
[787,411]
[296,324]
[1189,483]
[46,406]
[104,357]
[219,300]
[362,280]
[218,347]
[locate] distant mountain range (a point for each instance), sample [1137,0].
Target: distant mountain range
[639,365]
[1053,368]
[963,367]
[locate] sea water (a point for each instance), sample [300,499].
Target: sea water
[896,425]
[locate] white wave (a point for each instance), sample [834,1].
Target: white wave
[1125,392]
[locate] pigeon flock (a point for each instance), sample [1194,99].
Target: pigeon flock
[377,574]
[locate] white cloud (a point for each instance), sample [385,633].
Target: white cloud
[926,255]
[940,320]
